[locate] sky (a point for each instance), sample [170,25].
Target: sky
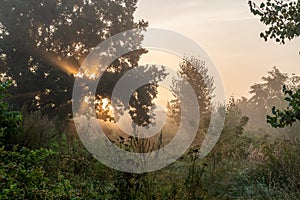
[229,34]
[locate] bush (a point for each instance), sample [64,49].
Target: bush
[9,120]
[22,175]
[38,131]
[277,177]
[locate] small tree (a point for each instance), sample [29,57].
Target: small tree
[195,72]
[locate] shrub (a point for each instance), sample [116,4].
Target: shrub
[9,120]
[38,131]
[22,176]
[277,177]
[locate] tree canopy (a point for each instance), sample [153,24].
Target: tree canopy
[43,43]
[283,20]
[281,17]
[195,72]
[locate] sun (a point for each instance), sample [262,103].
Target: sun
[103,107]
[105,103]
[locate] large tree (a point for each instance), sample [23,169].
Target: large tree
[265,95]
[43,43]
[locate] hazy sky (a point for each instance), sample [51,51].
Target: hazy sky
[229,33]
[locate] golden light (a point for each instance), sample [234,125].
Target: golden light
[53,59]
[78,75]
[92,76]
[105,102]
[87,99]
[89,75]
[103,107]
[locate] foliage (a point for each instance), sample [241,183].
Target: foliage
[9,120]
[274,175]
[133,186]
[75,174]
[140,103]
[194,183]
[22,173]
[283,19]
[43,43]
[291,114]
[239,167]
[235,122]
[232,134]
[37,130]
[266,95]
[195,72]
[281,16]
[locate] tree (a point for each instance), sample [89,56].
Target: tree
[281,17]
[232,133]
[195,72]
[141,106]
[288,116]
[43,43]
[266,95]
[10,121]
